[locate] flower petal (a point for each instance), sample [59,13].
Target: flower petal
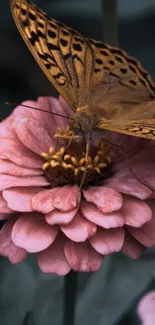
[132,247]
[42,103]
[106,199]
[19,199]
[67,198]
[79,229]
[3,205]
[145,234]
[26,110]
[60,217]
[14,151]
[56,106]
[7,247]
[6,167]
[128,185]
[6,128]
[136,212]
[48,120]
[105,220]
[33,135]
[108,241]
[32,233]
[43,201]
[7,181]
[82,257]
[53,260]
[146,309]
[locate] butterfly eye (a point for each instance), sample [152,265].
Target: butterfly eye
[76,127]
[103,112]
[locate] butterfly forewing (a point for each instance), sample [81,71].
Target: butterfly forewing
[60,51]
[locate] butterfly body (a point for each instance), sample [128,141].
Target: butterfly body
[104,86]
[84,122]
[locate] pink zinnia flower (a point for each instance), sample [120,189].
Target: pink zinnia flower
[45,212]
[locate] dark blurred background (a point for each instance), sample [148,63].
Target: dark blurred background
[108,297]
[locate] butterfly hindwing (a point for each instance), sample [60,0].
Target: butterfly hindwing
[143,129]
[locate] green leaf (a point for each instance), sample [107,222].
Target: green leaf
[16,291]
[109,293]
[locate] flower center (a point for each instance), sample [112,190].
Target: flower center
[70,165]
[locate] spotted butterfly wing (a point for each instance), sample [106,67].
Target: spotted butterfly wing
[77,66]
[126,110]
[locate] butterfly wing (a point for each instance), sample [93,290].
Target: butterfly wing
[123,109]
[75,65]
[113,99]
[61,52]
[143,129]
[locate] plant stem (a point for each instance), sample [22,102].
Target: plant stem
[70,286]
[109,22]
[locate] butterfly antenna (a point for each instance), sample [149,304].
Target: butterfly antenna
[37,109]
[128,165]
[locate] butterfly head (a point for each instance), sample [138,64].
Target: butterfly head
[83,122]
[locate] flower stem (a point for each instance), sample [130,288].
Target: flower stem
[70,286]
[109,22]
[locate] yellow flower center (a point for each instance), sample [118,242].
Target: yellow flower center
[68,164]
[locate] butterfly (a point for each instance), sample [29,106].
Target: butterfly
[106,88]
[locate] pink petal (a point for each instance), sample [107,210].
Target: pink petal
[146,309]
[136,212]
[14,151]
[6,167]
[48,120]
[106,199]
[7,181]
[108,241]
[53,260]
[43,201]
[105,220]
[128,185]
[42,103]
[132,247]
[32,233]
[7,247]
[82,257]
[19,199]
[33,135]
[145,234]
[60,217]
[51,121]
[5,128]
[79,229]
[3,205]
[26,110]
[59,109]
[67,198]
